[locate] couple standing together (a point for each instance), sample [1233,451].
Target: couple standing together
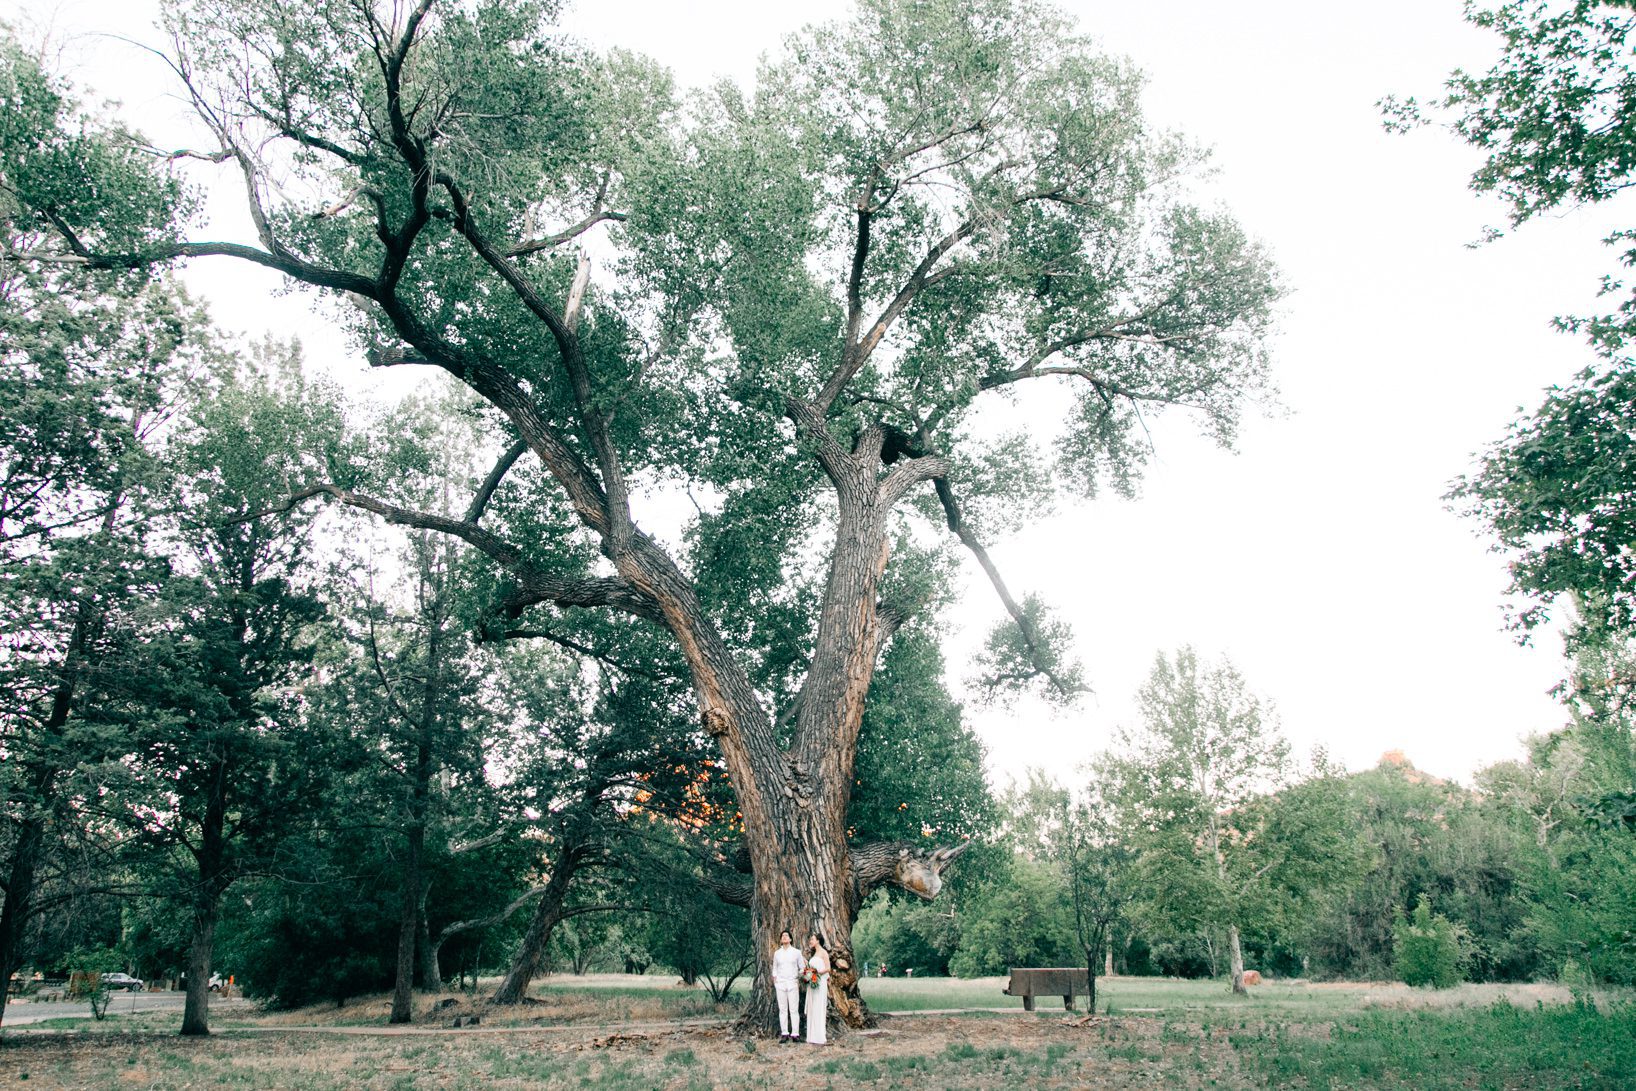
[790,971]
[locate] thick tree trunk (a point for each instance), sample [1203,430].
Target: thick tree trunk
[196,1008]
[403,995]
[809,893]
[19,904]
[211,857]
[1235,956]
[795,827]
[525,964]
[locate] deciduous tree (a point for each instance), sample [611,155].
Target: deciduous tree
[805,293]
[91,364]
[1224,836]
[218,740]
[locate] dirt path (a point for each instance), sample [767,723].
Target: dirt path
[430,1029]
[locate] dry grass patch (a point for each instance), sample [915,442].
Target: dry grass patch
[952,1053]
[592,1000]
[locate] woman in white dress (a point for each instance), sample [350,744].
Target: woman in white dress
[818,995]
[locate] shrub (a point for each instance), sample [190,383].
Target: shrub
[1429,948]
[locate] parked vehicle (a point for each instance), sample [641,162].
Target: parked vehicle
[124,981]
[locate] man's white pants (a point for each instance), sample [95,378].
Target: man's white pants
[789,1011]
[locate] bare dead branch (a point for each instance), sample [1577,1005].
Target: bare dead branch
[1031,637]
[188,153]
[568,234]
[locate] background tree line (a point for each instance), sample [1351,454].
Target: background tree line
[1196,829]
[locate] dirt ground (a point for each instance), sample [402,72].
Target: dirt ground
[911,1051]
[606,1034]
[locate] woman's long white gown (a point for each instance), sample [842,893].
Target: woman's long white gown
[818,1002]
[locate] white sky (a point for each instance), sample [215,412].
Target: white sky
[1319,557]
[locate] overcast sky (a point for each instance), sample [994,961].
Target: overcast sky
[1319,556]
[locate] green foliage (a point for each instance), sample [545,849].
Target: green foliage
[1429,948]
[1565,804]
[1222,833]
[919,766]
[1418,835]
[1583,912]
[1551,116]
[1021,920]
[1011,220]
[291,945]
[1029,655]
[905,935]
[64,165]
[1546,113]
[92,368]
[1557,494]
[696,934]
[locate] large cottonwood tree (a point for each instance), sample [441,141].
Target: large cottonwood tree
[792,300]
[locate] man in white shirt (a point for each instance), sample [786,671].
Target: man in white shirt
[787,967]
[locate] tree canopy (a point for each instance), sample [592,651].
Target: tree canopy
[1555,117]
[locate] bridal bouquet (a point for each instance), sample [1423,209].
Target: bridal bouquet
[810,977]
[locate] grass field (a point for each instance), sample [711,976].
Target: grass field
[642,1033]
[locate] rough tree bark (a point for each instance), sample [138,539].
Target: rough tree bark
[530,953]
[210,854]
[1235,960]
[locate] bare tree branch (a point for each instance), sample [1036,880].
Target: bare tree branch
[1031,637]
[456,927]
[854,356]
[577,648]
[551,242]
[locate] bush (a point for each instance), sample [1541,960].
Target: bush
[292,945]
[1429,948]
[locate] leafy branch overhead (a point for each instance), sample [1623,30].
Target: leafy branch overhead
[1553,117]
